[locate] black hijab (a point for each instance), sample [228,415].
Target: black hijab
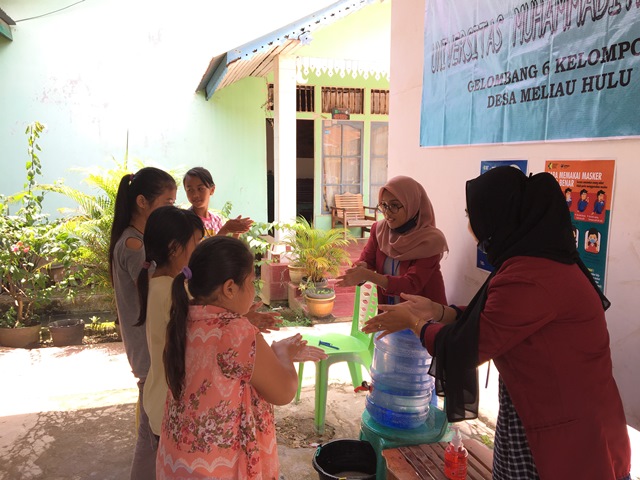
[511,215]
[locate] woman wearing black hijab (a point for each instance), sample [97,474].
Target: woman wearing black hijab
[540,317]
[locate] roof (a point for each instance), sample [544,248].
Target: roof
[6,18]
[5,21]
[255,59]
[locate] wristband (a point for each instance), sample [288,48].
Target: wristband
[441,315]
[423,330]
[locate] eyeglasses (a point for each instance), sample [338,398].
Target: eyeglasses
[393,208]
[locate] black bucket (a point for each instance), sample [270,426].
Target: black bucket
[346,460]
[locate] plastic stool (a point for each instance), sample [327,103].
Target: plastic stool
[434,429]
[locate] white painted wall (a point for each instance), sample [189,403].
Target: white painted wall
[444,171]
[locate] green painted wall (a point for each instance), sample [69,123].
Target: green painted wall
[239,162]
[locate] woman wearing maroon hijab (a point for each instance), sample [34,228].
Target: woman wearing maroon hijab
[404,249]
[541,318]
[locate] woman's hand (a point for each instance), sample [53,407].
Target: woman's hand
[402,315]
[265,321]
[356,275]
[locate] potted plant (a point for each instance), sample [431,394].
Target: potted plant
[320,253]
[29,245]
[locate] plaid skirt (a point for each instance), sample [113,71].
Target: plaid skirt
[512,457]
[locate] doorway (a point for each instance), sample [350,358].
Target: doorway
[305,143]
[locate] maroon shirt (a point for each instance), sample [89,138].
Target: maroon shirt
[415,277]
[544,327]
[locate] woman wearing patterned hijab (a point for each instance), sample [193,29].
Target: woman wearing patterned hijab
[404,249]
[541,318]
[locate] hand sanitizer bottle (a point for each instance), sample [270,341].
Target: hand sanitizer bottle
[455,458]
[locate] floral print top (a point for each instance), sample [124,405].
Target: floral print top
[220,427]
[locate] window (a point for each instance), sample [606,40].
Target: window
[336,97]
[380,102]
[379,155]
[341,159]
[305,98]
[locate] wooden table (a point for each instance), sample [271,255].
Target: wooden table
[426,461]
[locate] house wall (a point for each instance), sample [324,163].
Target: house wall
[443,172]
[103,70]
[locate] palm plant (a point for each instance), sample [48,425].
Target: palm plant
[321,252]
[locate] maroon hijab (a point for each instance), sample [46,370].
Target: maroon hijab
[422,241]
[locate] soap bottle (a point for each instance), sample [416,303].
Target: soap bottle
[455,458]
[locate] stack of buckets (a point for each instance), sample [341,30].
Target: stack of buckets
[402,386]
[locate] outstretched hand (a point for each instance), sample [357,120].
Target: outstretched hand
[296,348]
[265,321]
[237,226]
[356,275]
[310,354]
[401,316]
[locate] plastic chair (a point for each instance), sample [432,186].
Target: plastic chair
[355,348]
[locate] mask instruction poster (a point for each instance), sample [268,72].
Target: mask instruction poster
[588,188]
[486,165]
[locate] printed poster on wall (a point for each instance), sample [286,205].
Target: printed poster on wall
[486,165]
[588,188]
[511,70]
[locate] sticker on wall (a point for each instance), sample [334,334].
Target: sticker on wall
[481,258]
[588,189]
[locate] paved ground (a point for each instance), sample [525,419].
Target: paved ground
[68,413]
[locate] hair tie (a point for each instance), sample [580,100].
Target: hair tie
[146,265]
[186,271]
[131,175]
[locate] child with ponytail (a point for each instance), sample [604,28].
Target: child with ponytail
[223,377]
[138,195]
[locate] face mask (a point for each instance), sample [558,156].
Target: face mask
[592,241]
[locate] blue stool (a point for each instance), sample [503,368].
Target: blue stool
[434,429]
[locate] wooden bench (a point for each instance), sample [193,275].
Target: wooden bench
[426,461]
[350,212]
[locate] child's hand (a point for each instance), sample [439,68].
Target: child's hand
[265,321]
[236,226]
[310,354]
[289,347]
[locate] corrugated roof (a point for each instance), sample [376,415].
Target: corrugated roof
[6,18]
[255,59]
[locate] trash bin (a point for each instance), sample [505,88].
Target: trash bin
[345,459]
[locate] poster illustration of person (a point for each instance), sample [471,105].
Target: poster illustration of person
[588,188]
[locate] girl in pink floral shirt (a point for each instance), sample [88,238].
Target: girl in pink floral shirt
[223,376]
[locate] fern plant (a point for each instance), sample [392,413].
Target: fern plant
[92,218]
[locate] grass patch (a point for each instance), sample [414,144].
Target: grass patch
[292,318]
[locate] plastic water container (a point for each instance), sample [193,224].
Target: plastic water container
[402,386]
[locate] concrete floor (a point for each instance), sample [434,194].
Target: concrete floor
[69,413]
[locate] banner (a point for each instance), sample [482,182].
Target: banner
[588,188]
[485,165]
[511,70]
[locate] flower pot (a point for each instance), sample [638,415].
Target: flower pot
[67,332]
[319,292]
[22,337]
[296,273]
[320,307]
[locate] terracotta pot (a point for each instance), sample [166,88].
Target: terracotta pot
[320,307]
[67,332]
[22,337]
[296,273]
